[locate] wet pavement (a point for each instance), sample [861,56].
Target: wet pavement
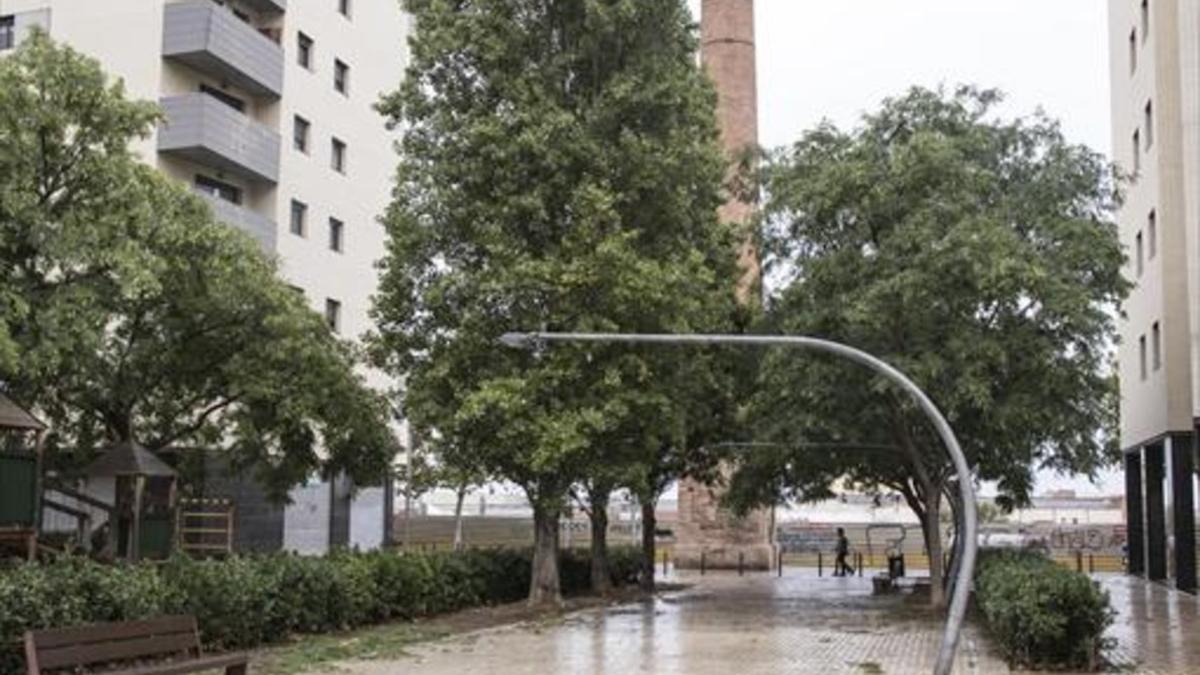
[730,625]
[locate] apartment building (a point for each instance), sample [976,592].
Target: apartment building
[269,116]
[1155,74]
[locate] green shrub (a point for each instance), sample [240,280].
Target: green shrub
[1043,615]
[243,602]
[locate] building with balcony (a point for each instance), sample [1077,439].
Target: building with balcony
[1154,48]
[269,114]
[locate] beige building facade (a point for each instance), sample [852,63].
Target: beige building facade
[1155,75]
[269,114]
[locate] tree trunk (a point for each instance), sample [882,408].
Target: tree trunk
[598,514]
[649,526]
[932,530]
[543,583]
[458,518]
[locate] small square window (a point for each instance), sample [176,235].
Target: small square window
[1137,151]
[333,314]
[338,156]
[299,221]
[1133,51]
[337,230]
[1156,345]
[341,77]
[1148,123]
[1152,234]
[304,50]
[344,8]
[8,36]
[1142,356]
[1140,253]
[300,129]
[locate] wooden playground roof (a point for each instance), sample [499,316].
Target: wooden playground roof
[14,417]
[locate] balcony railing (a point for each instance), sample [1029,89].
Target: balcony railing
[211,39]
[205,130]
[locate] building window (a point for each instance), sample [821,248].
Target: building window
[1152,234]
[231,101]
[337,231]
[1137,151]
[299,223]
[341,77]
[344,8]
[1145,20]
[304,50]
[1148,119]
[1156,345]
[300,127]
[338,156]
[218,189]
[333,314]
[1142,355]
[1139,250]
[8,37]
[1133,51]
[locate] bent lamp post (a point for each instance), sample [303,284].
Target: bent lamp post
[966,567]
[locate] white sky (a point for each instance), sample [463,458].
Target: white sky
[835,59]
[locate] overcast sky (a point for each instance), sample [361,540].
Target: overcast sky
[835,59]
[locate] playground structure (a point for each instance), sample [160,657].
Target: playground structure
[20,477]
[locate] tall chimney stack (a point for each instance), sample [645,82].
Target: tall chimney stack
[707,535]
[728,53]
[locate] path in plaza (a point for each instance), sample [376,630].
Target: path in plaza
[726,625]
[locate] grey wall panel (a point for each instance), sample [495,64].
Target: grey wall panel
[202,129]
[253,224]
[258,522]
[211,39]
[307,519]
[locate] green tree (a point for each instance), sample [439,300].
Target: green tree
[559,170]
[140,316]
[977,255]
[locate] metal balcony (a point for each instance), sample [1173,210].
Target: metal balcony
[259,227]
[211,39]
[270,6]
[206,131]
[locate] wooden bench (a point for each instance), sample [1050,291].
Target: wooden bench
[165,645]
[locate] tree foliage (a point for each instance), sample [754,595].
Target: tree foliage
[559,171]
[975,254]
[135,314]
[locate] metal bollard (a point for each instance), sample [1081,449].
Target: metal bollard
[1091,563]
[1079,561]
[741,563]
[820,564]
[702,561]
[860,564]
[665,557]
[779,563]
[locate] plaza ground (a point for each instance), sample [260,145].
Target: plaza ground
[728,625]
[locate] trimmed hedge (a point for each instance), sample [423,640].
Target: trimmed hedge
[1043,615]
[245,602]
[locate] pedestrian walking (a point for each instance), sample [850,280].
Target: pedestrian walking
[841,568]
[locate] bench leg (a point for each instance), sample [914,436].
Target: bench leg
[239,669]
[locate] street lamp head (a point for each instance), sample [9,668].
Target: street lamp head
[517,340]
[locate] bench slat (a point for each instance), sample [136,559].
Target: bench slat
[189,666]
[105,632]
[120,650]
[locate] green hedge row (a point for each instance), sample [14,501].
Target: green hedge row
[1043,615]
[246,602]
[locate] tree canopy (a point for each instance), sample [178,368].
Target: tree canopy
[979,256]
[133,313]
[559,170]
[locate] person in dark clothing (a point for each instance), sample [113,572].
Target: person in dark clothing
[841,568]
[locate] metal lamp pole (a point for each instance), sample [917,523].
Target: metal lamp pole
[962,586]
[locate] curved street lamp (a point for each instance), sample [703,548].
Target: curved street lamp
[962,585]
